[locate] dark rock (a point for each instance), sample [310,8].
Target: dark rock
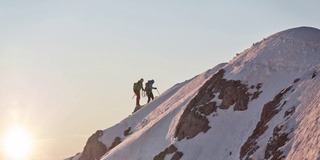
[127,132]
[191,124]
[115,142]
[290,112]
[259,85]
[208,108]
[94,149]
[276,141]
[313,75]
[296,80]
[177,156]
[256,95]
[169,150]
[231,92]
[269,110]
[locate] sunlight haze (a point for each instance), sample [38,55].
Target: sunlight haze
[67,67]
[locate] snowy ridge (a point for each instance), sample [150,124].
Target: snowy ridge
[158,114]
[264,104]
[280,53]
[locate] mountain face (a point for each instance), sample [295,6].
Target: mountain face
[263,104]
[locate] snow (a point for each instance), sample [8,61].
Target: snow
[278,53]
[307,136]
[275,62]
[158,126]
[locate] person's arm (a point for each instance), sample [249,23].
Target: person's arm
[141,86]
[151,86]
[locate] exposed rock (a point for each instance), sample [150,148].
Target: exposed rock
[177,156]
[231,92]
[276,141]
[208,108]
[127,132]
[115,142]
[270,109]
[94,149]
[169,150]
[296,80]
[192,121]
[290,112]
[279,138]
[256,95]
[314,74]
[259,85]
[234,92]
[192,124]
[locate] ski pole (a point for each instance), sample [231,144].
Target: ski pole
[158,91]
[133,95]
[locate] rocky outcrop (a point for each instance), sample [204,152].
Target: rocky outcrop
[234,93]
[169,150]
[280,137]
[277,140]
[115,142]
[127,132]
[94,149]
[229,92]
[191,123]
[270,109]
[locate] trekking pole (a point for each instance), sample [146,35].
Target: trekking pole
[158,91]
[133,95]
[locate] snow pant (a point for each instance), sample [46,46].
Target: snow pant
[150,96]
[138,97]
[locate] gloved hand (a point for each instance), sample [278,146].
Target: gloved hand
[155,87]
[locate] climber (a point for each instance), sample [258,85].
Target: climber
[148,89]
[136,89]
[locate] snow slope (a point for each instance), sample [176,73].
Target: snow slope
[153,125]
[264,104]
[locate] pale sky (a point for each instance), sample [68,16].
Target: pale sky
[67,67]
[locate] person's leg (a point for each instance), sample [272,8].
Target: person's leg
[138,98]
[151,95]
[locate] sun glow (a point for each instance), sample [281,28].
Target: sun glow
[17,143]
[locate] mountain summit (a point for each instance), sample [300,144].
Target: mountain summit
[263,104]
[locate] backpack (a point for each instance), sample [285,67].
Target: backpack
[135,86]
[147,87]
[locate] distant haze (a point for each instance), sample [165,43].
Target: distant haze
[67,67]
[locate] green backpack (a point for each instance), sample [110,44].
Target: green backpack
[135,86]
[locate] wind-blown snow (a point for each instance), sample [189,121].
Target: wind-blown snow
[288,59]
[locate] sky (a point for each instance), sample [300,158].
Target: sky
[67,67]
